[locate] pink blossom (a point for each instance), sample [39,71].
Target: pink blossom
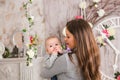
[31,39]
[106,32]
[118,77]
[78,17]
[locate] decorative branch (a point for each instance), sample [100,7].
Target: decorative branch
[32,43]
[92,15]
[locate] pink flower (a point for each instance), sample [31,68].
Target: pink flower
[106,32]
[118,77]
[78,17]
[31,39]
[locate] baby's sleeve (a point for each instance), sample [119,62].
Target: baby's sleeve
[59,66]
[50,60]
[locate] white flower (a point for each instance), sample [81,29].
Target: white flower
[82,5]
[31,1]
[101,12]
[27,45]
[30,64]
[111,31]
[100,40]
[30,53]
[64,32]
[32,17]
[96,1]
[96,5]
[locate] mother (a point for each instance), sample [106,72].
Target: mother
[84,61]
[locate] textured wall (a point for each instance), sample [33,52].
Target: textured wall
[13,20]
[58,12]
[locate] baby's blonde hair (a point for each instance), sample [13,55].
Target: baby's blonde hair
[50,37]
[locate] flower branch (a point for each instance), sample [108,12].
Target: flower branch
[29,17]
[108,32]
[31,45]
[97,9]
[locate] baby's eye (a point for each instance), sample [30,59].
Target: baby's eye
[50,45]
[56,44]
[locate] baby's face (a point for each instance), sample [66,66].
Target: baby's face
[53,46]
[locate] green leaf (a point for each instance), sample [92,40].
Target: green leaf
[30,1]
[6,53]
[116,74]
[25,6]
[106,26]
[111,38]
[101,45]
[24,30]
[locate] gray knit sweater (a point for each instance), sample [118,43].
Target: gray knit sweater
[63,68]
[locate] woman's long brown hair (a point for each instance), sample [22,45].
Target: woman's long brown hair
[87,50]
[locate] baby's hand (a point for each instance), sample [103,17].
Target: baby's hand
[60,50]
[55,52]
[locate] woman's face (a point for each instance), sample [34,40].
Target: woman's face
[69,39]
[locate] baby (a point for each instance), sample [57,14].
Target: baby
[54,50]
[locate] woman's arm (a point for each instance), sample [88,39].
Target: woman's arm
[58,67]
